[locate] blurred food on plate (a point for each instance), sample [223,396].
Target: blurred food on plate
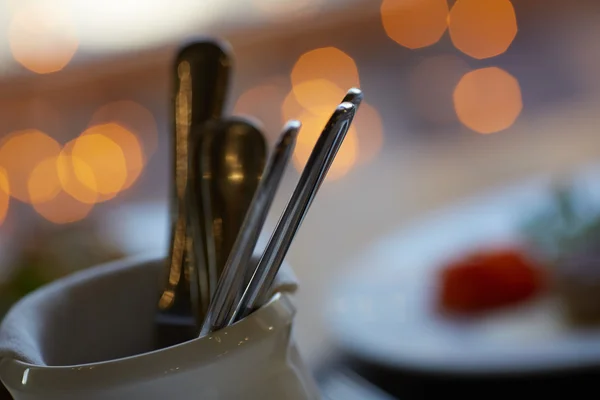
[487,280]
[559,255]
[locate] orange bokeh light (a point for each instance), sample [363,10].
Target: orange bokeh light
[482,29]
[20,153]
[130,149]
[43,183]
[488,100]
[51,202]
[320,79]
[432,83]
[77,177]
[135,118]
[312,126]
[318,94]
[42,37]
[4,195]
[324,64]
[415,23]
[106,159]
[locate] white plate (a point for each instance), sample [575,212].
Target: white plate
[383,312]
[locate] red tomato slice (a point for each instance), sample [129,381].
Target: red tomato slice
[488,280]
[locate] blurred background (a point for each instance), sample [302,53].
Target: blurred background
[460,96]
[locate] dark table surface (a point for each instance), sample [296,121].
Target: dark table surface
[346,378]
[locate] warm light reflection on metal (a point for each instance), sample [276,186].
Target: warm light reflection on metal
[415,23]
[183,114]
[232,158]
[488,100]
[166,299]
[20,153]
[133,117]
[236,176]
[42,36]
[4,195]
[235,171]
[482,29]
[177,255]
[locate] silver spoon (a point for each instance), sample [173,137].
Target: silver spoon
[257,291]
[233,277]
[201,75]
[230,162]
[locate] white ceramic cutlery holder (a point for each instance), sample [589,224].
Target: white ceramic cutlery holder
[90,336]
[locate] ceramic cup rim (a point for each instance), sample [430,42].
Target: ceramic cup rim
[269,319]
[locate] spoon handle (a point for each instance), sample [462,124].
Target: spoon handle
[354,96]
[232,278]
[257,291]
[201,73]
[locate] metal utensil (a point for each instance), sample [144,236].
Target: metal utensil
[230,163]
[257,291]
[232,279]
[201,76]
[354,96]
